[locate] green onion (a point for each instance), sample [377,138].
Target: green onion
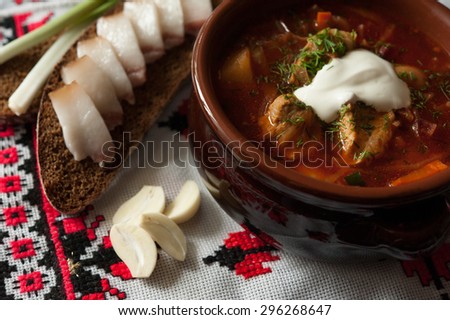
[355,179]
[21,99]
[70,18]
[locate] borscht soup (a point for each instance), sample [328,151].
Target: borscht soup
[340,92]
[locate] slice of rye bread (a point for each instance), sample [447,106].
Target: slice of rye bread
[12,73]
[71,185]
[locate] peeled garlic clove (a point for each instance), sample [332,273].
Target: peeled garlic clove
[212,179]
[166,233]
[212,189]
[186,204]
[148,199]
[135,247]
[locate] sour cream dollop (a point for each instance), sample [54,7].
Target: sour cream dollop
[358,76]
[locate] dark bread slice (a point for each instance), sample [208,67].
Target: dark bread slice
[71,185]
[12,74]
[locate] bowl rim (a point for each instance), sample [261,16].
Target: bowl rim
[227,132]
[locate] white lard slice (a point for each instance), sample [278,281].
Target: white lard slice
[98,86]
[117,29]
[172,22]
[101,52]
[145,20]
[85,133]
[195,13]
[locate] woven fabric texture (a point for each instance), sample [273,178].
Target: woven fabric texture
[46,255]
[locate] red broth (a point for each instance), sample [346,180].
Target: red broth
[271,43]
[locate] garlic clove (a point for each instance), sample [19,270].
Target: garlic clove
[215,192]
[166,233]
[186,204]
[135,247]
[148,199]
[212,179]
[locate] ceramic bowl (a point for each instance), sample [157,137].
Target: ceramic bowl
[293,212]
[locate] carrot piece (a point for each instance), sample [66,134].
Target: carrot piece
[323,17]
[421,173]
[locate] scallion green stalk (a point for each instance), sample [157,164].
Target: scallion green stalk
[21,99]
[72,17]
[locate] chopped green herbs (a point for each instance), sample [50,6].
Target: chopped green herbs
[355,179]
[367,127]
[330,42]
[300,68]
[359,156]
[294,102]
[407,76]
[418,99]
[320,47]
[295,120]
[387,122]
[262,79]
[313,61]
[299,104]
[436,114]
[299,143]
[335,125]
[445,89]
[285,70]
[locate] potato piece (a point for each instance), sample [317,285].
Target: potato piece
[260,60]
[238,67]
[413,76]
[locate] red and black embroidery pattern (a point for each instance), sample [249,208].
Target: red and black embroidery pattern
[86,260]
[46,255]
[178,121]
[27,269]
[244,253]
[432,269]
[13,27]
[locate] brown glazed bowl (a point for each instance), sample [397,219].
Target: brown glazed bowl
[293,212]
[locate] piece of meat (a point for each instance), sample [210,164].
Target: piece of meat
[98,86]
[146,24]
[101,52]
[85,133]
[364,132]
[333,35]
[117,29]
[342,41]
[406,115]
[290,122]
